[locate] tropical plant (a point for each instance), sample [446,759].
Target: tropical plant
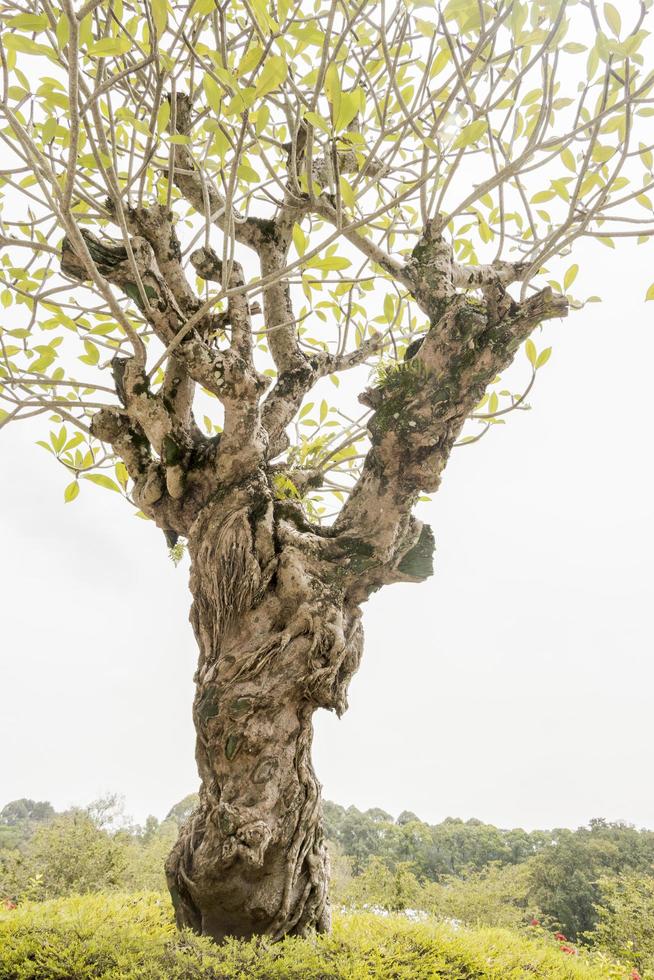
[401,186]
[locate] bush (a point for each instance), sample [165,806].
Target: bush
[498,896]
[625,926]
[79,852]
[380,888]
[132,937]
[67,855]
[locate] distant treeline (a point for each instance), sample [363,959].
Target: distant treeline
[457,847]
[575,880]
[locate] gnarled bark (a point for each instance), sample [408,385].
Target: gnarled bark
[278,638]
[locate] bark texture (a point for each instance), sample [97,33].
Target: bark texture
[279,635]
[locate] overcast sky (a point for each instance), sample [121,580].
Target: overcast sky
[515,686]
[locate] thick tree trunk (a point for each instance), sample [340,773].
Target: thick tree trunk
[277,640]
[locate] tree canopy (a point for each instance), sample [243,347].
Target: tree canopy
[359,151]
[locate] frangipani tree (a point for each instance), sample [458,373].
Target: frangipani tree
[212,212]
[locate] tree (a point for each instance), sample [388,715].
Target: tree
[183,810]
[18,820]
[415,176]
[382,888]
[24,810]
[497,896]
[565,878]
[69,854]
[624,920]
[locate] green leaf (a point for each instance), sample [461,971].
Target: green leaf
[530,350]
[568,159]
[389,308]
[102,481]
[58,441]
[332,86]
[121,474]
[274,72]
[305,411]
[214,93]
[159,15]
[347,192]
[332,263]
[543,357]
[350,103]
[62,31]
[299,239]
[262,17]
[28,22]
[250,60]
[16,42]
[470,134]
[109,47]
[92,355]
[650,293]
[603,153]
[163,116]
[570,276]
[646,156]
[317,121]
[613,18]
[248,174]
[442,58]
[426,27]
[542,196]
[71,491]
[75,441]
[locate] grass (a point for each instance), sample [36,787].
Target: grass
[133,937]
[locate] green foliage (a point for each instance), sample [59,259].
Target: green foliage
[625,926]
[449,848]
[565,878]
[183,810]
[125,937]
[80,852]
[562,867]
[498,896]
[381,888]
[18,820]
[595,878]
[519,163]
[70,854]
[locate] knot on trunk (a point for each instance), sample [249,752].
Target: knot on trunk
[334,656]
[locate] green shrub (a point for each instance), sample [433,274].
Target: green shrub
[497,896]
[79,852]
[625,926]
[132,937]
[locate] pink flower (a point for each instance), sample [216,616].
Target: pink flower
[569,950]
[534,922]
[561,938]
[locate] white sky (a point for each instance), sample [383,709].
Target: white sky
[515,686]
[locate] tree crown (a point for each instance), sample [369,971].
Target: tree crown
[214,210]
